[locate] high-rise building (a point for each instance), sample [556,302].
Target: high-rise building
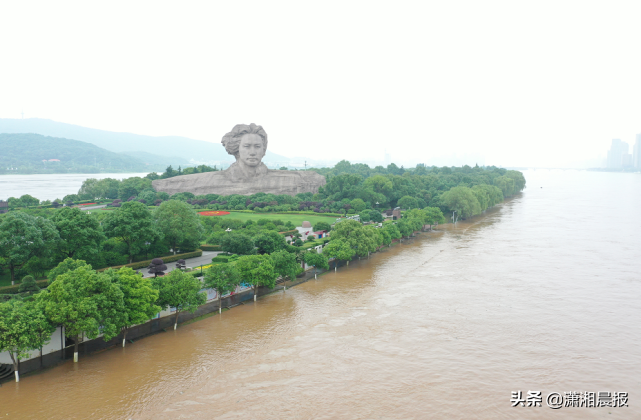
[636,157]
[616,154]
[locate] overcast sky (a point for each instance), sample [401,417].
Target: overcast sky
[537,84]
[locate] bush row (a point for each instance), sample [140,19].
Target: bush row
[225,258]
[170,258]
[308,245]
[14,289]
[206,247]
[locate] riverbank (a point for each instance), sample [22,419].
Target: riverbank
[162,325]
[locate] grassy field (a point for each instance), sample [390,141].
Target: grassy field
[296,219]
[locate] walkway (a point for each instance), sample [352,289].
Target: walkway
[190,262]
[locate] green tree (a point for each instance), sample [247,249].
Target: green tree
[79,232]
[358,205]
[340,250]
[518,178]
[316,260]
[380,185]
[237,243]
[131,187]
[37,266]
[222,278]
[434,216]
[148,195]
[319,226]
[462,201]
[68,264]
[179,290]
[285,264]
[354,234]
[407,202]
[375,236]
[133,224]
[376,216]
[393,231]
[108,188]
[28,200]
[404,227]
[269,241]
[387,238]
[179,224]
[23,328]
[257,270]
[482,195]
[90,189]
[86,303]
[22,237]
[28,285]
[139,298]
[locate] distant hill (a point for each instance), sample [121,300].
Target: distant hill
[168,146]
[33,153]
[153,159]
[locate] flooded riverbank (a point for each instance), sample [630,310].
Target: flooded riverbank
[542,293]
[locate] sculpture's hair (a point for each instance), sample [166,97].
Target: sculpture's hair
[231,140]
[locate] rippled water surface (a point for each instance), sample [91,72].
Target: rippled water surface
[542,293]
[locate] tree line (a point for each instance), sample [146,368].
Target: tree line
[88,303]
[350,189]
[33,244]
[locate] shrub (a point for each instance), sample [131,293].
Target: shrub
[157,266]
[28,285]
[211,247]
[14,289]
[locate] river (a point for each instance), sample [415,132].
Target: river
[49,186]
[542,293]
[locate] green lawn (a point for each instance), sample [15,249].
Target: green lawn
[296,219]
[101,210]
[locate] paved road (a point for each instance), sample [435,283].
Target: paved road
[190,262]
[92,207]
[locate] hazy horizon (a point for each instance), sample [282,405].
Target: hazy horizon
[540,85]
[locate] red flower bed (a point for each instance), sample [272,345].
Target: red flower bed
[87,204]
[213,213]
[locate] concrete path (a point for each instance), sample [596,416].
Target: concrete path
[190,262]
[92,207]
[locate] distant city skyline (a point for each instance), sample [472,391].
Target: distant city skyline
[619,156]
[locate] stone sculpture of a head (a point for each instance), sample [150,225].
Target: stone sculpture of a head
[247,143]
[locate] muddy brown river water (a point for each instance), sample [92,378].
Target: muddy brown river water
[542,293]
